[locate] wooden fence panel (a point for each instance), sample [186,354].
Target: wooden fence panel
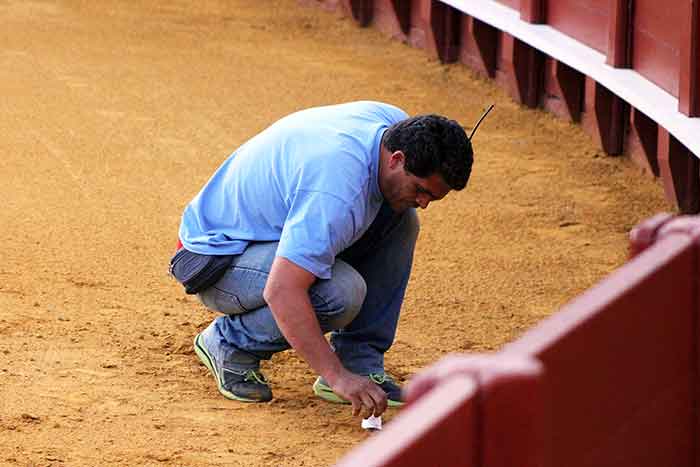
[440,429]
[620,364]
[656,38]
[584,20]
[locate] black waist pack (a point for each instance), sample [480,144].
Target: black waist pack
[198,272]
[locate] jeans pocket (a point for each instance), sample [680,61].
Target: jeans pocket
[240,290]
[243,285]
[221,301]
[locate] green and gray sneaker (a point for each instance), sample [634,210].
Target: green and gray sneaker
[384,381]
[247,385]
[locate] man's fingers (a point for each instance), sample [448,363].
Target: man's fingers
[366,397]
[379,400]
[356,406]
[367,405]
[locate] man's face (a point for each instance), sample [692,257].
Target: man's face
[405,190]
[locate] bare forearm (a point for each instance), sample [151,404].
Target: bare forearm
[296,319]
[287,295]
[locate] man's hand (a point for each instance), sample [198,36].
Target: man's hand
[366,397]
[287,295]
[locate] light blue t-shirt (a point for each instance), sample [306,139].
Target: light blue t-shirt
[308,181]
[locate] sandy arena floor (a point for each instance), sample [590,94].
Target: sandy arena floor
[114,113]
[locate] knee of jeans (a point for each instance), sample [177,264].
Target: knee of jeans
[339,300]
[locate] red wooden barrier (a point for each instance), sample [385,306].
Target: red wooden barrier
[609,380]
[440,429]
[656,40]
[584,20]
[478,411]
[689,93]
[619,363]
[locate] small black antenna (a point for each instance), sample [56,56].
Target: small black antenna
[480,120]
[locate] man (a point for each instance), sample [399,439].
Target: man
[309,228]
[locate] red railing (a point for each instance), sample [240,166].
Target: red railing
[609,380]
[627,70]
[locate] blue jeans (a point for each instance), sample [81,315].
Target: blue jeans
[359,305]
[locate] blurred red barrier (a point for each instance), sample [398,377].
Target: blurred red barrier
[619,362]
[479,410]
[439,429]
[609,380]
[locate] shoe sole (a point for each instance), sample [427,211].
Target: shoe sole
[208,362]
[326,393]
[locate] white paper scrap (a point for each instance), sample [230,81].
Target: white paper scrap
[372,423]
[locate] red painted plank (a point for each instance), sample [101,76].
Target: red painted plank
[513,421]
[679,170]
[689,92]
[618,361]
[515,424]
[656,35]
[619,46]
[438,429]
[584,20]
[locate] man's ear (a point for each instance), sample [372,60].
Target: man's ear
[396,158]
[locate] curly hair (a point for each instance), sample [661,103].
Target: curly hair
[433,143]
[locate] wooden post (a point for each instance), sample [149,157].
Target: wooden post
[690,60]
[520,70]
[611,114]
[620,34]
[361,10]
[479,49]
[445,23]
[402,8]
[533,11]
[392,17]
[643,142]
[571,86]
[680,174]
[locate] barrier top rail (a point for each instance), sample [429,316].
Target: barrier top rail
[631,86]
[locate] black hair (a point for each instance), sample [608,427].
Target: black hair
[433,143]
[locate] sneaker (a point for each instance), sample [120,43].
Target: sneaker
[247,385]
[384,381]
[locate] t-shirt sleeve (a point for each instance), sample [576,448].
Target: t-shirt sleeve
[318,227]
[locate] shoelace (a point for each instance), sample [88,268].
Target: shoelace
[380,378]
[249,375]
[255,376]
